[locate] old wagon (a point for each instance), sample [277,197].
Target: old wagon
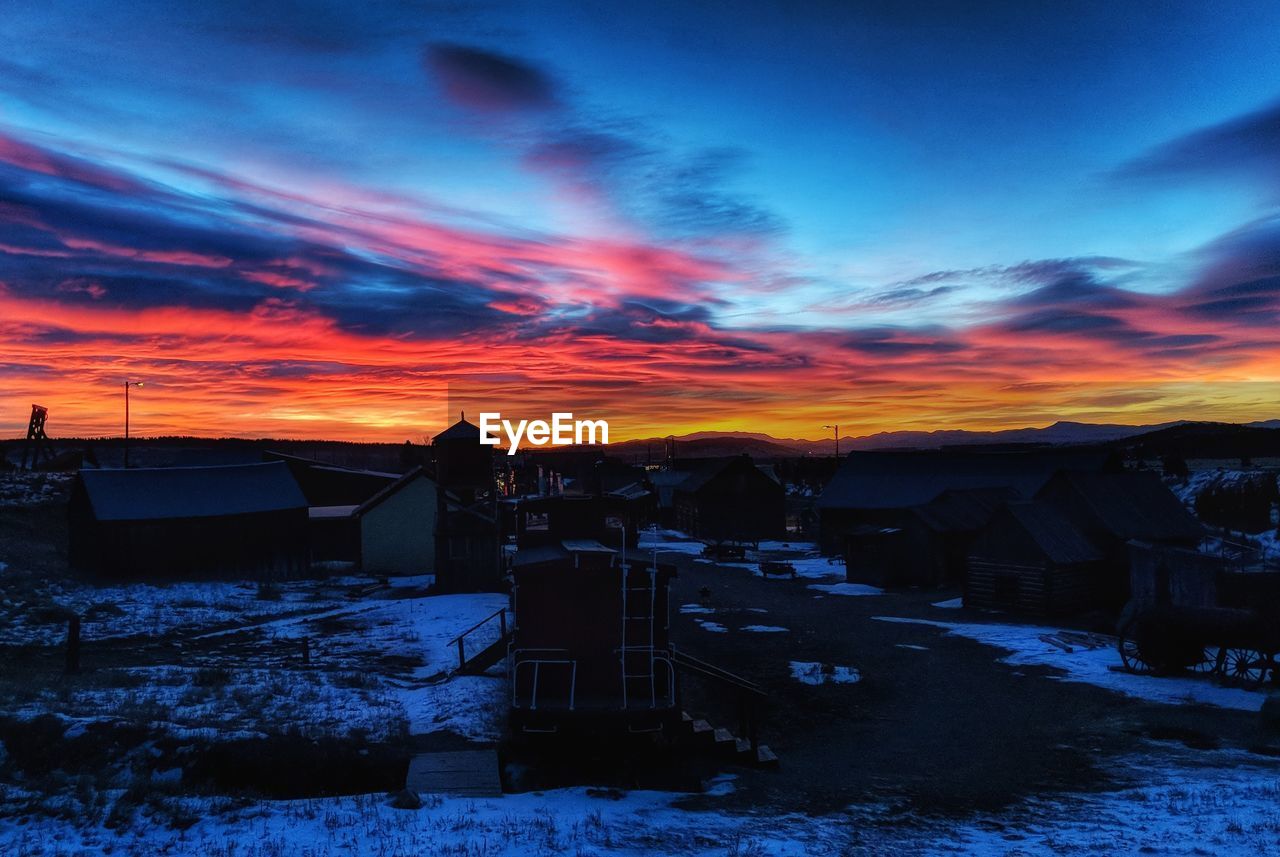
[1191,611]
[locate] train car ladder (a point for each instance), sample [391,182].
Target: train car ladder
[637,657]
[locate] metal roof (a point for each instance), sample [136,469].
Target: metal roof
[160,493]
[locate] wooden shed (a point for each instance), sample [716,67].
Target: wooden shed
[397,527]
[731,499]
[1031,559]
[235,521]
[930,545]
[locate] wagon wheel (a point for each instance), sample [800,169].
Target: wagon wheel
[1211,661]
[1246,667]
[1131,654]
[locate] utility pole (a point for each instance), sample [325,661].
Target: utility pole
[837,433]
[127,385]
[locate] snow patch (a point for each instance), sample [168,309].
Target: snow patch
[1100,667]
[847,588]
[815,673]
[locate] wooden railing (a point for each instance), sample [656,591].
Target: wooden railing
[460,640]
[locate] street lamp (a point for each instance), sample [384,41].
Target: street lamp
[837,432]
[127,385]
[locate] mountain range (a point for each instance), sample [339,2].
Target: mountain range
[760,445]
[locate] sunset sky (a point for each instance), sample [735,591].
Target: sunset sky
[342,220]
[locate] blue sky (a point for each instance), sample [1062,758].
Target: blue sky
[857,172]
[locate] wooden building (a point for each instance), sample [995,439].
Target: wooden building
[930,546]
[730,499]
[397,527]
[235,521]
[330,484]
[591,648]
[882,489]
[469,554]
[1116,508]
[464,466]
[1030,558]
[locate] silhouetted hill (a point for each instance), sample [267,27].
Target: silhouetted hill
[1206,440]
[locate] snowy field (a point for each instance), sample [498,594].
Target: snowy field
[1098,666]
[203,664]
[1207,803]
[218,660]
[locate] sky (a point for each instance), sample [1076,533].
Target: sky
[337,220]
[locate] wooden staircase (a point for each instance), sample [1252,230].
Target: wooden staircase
[746,750]
[725,744]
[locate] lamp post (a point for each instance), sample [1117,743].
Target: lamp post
[837,433]
[127,385]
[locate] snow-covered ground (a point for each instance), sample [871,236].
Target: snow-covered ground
[22,489]
[802,555]
[669,541]
[847,588]
[1207,803]
[1097,666]
[141,609]
[815,673]
[375,666]
[1218,803]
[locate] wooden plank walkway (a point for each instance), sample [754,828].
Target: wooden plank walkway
[470,773]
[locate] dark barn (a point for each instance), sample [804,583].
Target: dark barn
[730,500]
[1112,509]
[591,647]
[882,489]
[236,521]
[930,546]
[1031,559]
[331,485]
[1115,508]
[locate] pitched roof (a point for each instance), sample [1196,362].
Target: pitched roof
[709,470]
[461,430]
[632,491]
[1059,539]
[704,474]
[1134,504]
[901,479]
[390,491]
[960,510]
[159,493]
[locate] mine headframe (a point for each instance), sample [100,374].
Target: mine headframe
[37,449]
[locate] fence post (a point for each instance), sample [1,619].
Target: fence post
[73,644]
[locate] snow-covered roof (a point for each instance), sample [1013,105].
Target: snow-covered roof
[159,493]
